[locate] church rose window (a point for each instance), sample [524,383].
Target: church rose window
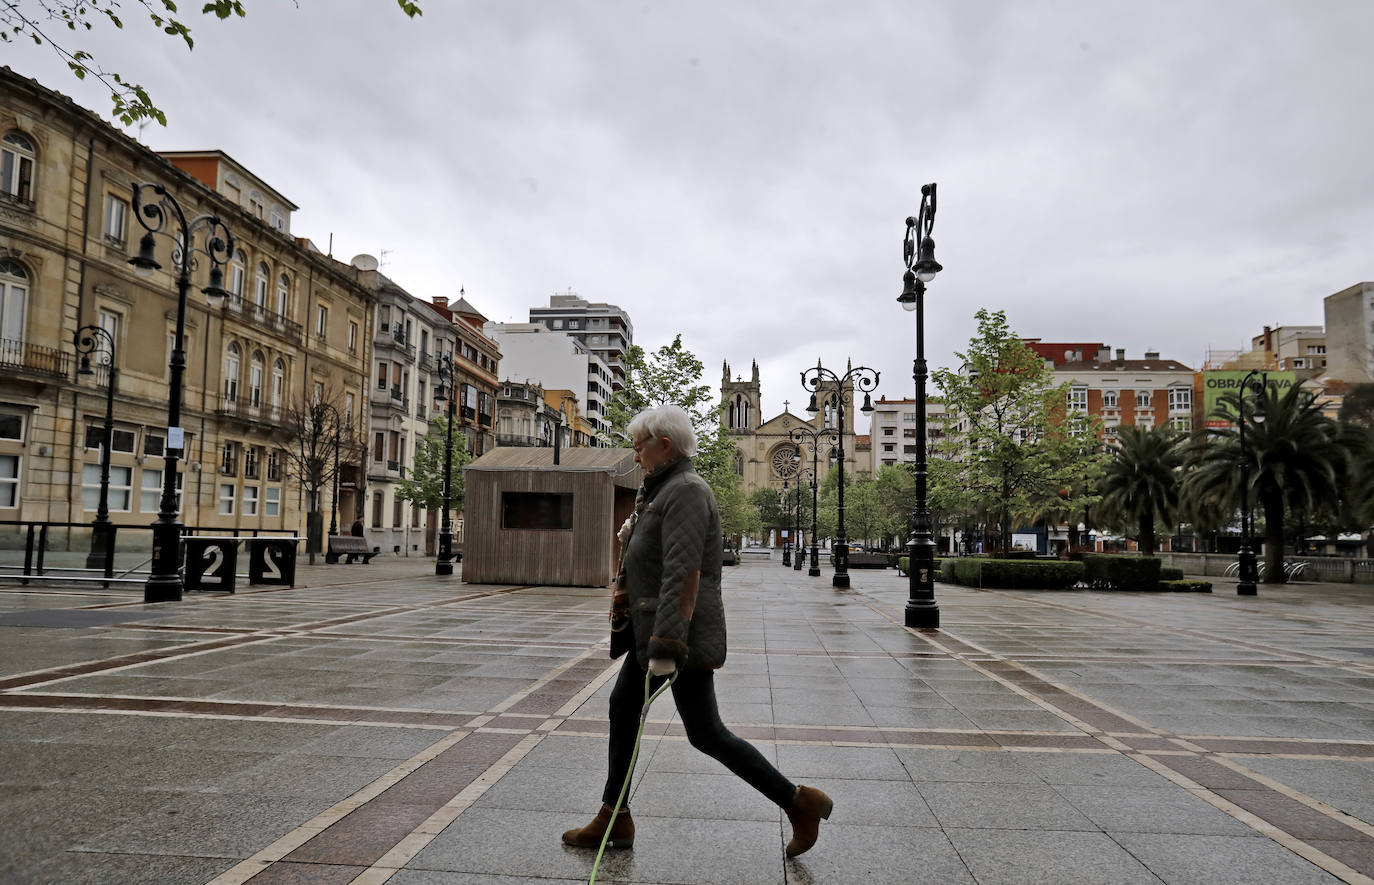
[784,463]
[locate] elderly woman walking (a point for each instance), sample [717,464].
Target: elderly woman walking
[668,597]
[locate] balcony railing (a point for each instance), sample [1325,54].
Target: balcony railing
[240,406]
[33,358]
[426,363]
[266,318]
[520,439]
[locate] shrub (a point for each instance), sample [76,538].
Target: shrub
[1170,573]
[1182,586]
[947,570]
[1016,574]
[1121,572]
[901,566]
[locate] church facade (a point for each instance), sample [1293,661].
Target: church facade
[765,452]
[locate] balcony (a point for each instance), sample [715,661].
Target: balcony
[33,359]
[235,405]
[427,363]
[520,439]
[264,318]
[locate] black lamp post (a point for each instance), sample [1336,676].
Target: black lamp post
[786,501]
[1249,570]
[98,340]
[796,435]
[801,475]
[444,564]
[164,581]
[921,268]
[841,396]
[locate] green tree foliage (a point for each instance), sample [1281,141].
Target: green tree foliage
[772,512]
[423,484]
[36,20]
[1014,450]
[1140,486]
[1297,460]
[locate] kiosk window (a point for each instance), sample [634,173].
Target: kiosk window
[537,510]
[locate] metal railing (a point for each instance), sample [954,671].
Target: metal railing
[34,358]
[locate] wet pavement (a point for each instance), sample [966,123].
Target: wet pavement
[380,724]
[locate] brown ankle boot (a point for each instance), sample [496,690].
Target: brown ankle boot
[622,833]
[808,807]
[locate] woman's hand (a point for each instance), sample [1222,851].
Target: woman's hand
[662,666]
[624,531]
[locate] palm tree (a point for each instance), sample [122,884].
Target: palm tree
[1296,459]
[1140,485]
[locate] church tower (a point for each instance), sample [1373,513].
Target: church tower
[742,400]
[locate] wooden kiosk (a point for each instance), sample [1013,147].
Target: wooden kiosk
[530,521]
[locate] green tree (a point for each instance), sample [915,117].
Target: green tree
[671,374]
[772,511]
[34,19]
[423,484]
[1296,460]
[1014,449]
[1140,486]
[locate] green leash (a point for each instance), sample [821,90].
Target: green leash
[634,757]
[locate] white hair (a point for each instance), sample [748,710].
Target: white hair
[670,421]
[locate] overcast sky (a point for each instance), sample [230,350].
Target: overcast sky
[1167,176]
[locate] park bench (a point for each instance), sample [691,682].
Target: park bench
[350,546]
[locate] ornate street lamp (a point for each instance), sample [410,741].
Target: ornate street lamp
[803,473]
[786,501]
[1249,570]
[97,340]
[164,581]
[338,425]
[444,564]
[796,435]
[921,268]
[835,401]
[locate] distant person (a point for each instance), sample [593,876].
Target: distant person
[671,591]
[357,530]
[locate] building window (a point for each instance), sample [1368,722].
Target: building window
[16,168]
[318,394]
[226,499]
[321,321]
[9,481]
[396,507]
[1109,399]
[1180,399]
[352,336]
[260,285]
[150,491]
[278,218]
[121,487]
[255,204]
[121,440]
[278,382]
[272,503]
[1078,399]
[116,216]
[379,447]
[1316,349]
[283,293]
[250,462]
[415,516]
[888,447]
[238,271]
[231,372]
[1142,399]
[274,466]
[1181,423]
[348,409]
[250,500]
[558,324]
[14,298]
[11,425]
[255,379]
[383,372]
[229,460]
[376,510]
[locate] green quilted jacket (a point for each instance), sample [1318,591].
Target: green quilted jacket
[672,571]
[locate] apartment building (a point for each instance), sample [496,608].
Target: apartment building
[1350,334]
[892,429]
[525,418]
[292,330]
[533,352]
[603,329]
[1293,348]
[476,361]
[1149,392]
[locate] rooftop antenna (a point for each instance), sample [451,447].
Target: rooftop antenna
[384,253]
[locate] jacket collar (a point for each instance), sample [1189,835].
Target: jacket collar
[652,481]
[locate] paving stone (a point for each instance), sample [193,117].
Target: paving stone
[99,868]
[879,855]
[1221,860]
[1013,806]
[1051,857]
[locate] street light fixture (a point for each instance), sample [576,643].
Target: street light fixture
[444,564]
[156,210]
[835,400]
[1249,570]
[97,340]
[921,268]
[796,435]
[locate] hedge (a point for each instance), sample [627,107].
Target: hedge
[1016,574]
[1106,572]
[941,566]
[1186,586]
[1170,573]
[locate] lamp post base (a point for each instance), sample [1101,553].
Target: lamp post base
[923,617]
[163,589]
[443,568]
[1246,588]
[840,582]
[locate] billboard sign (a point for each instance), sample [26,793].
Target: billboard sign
[1215,385]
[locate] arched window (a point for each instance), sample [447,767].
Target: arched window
[283,293]
[238,270]
[14,299]
[739,463]
[255,379]
[278,382]
[260,285]
[231,372]
[17,157]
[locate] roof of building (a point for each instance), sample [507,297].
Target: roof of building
[1158,365]
[863,439]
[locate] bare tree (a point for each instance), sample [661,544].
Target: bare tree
[317,439]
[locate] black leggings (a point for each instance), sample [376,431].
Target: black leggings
[694,692]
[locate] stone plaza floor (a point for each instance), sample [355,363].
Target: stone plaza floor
[380,724]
